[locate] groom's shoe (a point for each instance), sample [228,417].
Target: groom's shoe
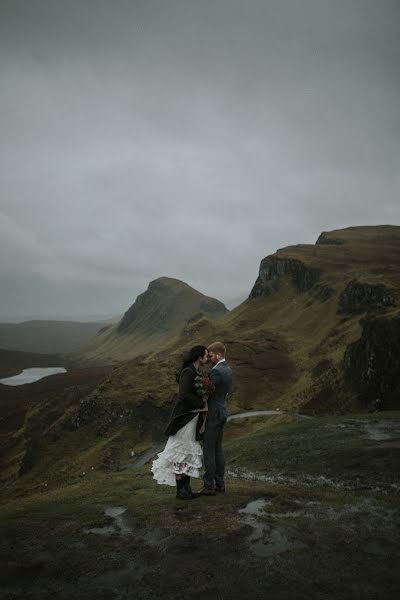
[206,492]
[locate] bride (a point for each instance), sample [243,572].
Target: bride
[181,458]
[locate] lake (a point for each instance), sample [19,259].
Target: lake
[31,375]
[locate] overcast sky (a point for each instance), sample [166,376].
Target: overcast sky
[186,138]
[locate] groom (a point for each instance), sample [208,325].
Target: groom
[214,461]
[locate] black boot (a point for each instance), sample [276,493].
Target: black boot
[181,491]
[186,479]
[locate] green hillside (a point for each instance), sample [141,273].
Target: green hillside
[308,498]
[311,506]
[156,315]
[297,341]
[319,333]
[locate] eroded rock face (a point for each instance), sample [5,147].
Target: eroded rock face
[359,297]
[372,363]
[323,292]
[272,268]
[325,239]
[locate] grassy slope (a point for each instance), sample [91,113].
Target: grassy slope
[32,425]
[319,540]
[157,315]
[13,362]
[278,341]
[276,346]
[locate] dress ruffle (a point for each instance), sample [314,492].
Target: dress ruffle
[181,455]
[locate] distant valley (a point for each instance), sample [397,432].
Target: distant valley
[318,333]
[47,336]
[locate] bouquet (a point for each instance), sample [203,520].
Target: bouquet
[204,386]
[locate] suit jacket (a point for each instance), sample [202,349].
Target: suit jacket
[187,403]
[221,376]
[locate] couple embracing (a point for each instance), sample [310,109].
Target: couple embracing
[199,414]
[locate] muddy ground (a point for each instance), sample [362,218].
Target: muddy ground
[311,510]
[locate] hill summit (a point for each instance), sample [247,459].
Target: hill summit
[166,305]
[158,314]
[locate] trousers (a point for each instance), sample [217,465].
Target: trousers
[214,459]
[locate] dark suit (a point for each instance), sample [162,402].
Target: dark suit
[214,460]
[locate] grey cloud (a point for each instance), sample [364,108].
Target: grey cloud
[188,139]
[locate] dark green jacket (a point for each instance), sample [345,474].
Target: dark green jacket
[187,403]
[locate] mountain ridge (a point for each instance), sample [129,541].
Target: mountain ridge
[304,344]
[157,314]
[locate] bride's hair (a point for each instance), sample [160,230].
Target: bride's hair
[190,357]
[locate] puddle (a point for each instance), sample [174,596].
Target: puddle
[255,507]
[157,537]
[119,526]
[378,432]
[382,430]
[106,530]
[266,539]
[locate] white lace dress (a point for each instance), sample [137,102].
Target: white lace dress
[182,454]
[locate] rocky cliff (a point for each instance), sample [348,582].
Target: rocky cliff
[343,294]
[273,268]
[372,363]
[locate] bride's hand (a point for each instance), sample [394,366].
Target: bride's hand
[205,397]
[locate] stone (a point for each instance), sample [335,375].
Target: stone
[360,297]
[273,268]
[372,363]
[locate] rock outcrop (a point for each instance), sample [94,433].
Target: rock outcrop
[359,297]
[372,363]
[273,268]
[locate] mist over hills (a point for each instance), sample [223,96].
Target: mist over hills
[47,336]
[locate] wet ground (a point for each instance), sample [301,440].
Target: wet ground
[120,535]
[150,453]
